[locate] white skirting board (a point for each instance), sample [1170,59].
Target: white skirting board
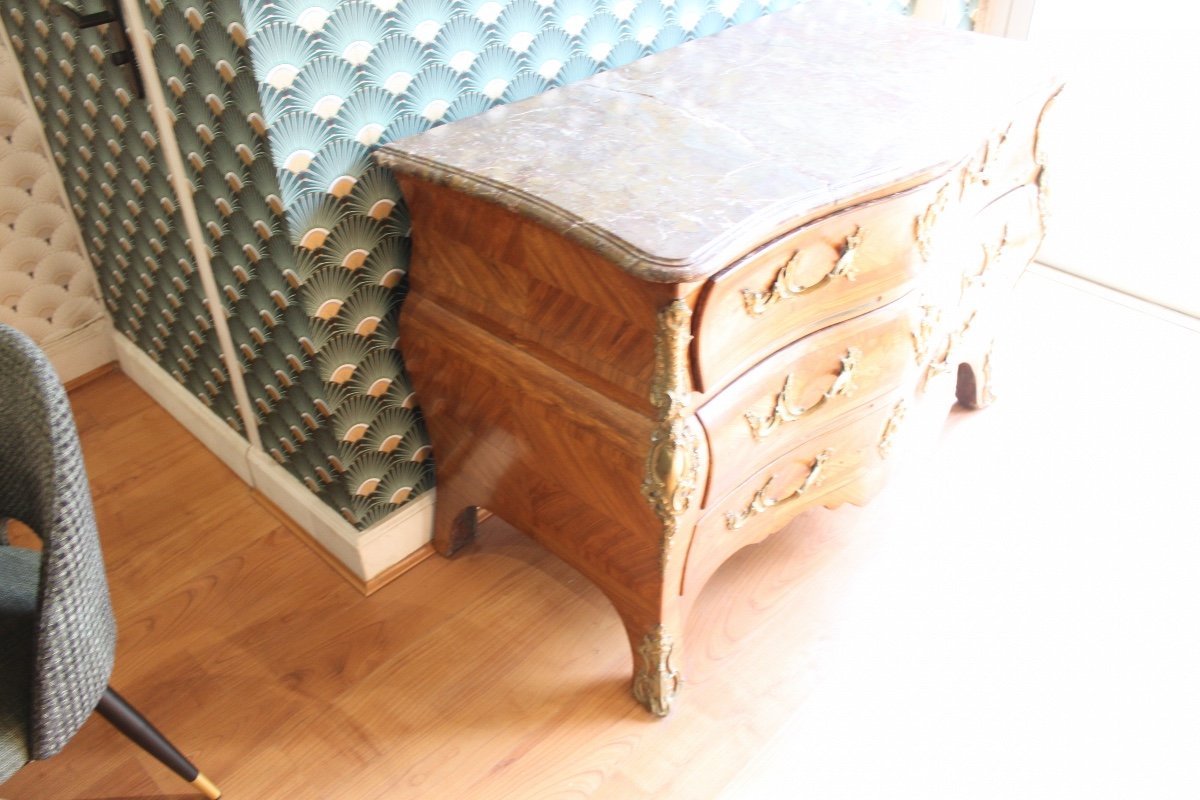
[366,554]
[81,350]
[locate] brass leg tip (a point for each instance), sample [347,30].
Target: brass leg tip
[206,787]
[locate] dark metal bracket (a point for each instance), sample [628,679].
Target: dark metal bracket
[122,54]
[81,19]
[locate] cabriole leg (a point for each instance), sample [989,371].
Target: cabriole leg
[975,389]
[656,678]
[454,516]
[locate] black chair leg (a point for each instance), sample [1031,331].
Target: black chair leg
[128,721]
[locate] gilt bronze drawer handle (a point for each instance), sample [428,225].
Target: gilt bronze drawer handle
[922,336]
[949,360]
[787,285]
[760,502]
[783,411]
[891,428]
[992,255]
[927,221]
[1039,154]
[982,168]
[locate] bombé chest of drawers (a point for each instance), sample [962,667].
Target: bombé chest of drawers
[655,315]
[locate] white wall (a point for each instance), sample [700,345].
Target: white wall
[1124,167]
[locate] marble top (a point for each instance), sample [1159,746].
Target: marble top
[675,164]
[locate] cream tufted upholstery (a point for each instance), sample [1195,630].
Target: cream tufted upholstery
[47,288]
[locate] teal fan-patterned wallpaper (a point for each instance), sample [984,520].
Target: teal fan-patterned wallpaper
[336,77]
[308,250]
[276,109]
[106,148]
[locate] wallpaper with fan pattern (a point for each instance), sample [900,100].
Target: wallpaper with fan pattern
[335,78]
[106,149]
[309,251]
[47,288]
[277,106]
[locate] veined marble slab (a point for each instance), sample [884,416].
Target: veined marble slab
[678,163]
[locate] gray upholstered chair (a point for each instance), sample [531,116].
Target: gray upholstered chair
[57,632]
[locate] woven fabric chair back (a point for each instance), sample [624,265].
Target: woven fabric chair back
[43,484]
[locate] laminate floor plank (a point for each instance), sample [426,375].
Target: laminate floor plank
[1015,615]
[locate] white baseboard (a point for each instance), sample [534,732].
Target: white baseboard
[318,520]
[81,350]
[225,443]
[1117,296]
[398,536]
[365,554]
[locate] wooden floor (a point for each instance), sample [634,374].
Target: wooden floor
[1017,616]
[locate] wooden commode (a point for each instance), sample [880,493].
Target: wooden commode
[656,314]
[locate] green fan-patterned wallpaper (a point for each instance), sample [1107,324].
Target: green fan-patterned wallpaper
[106,148]
[335,78]
[308,248]
[276,107]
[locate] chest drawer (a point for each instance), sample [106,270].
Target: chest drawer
[982,265]
[774,494]
[784,399]
[999,242]
[831,270]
